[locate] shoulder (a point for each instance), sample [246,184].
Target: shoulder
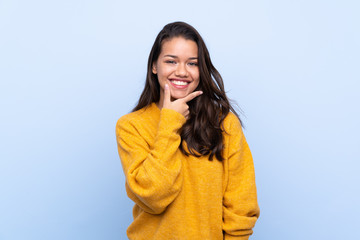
[133,119]
[232,123]
[234,138]
[130,117]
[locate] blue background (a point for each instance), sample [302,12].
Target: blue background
[69,69]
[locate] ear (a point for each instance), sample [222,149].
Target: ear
[154,71]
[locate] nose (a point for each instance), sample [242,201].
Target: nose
[181,71]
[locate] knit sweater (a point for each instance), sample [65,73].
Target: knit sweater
[179,197]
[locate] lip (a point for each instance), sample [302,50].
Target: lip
[179,86]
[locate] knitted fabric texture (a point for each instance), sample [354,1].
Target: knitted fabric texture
[180,197]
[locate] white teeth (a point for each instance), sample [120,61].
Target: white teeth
[182,83]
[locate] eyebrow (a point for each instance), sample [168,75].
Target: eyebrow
[173,56]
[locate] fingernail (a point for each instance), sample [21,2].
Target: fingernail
[201,92]
[166,86]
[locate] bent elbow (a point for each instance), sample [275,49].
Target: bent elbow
[153,200]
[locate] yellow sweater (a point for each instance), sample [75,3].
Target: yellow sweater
[180,197]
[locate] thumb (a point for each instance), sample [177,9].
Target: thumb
[167,95]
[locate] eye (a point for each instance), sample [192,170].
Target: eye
[170,61]
[193,63]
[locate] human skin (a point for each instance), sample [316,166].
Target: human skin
[178,74]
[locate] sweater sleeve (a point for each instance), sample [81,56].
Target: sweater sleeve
[152,173]
[240,207]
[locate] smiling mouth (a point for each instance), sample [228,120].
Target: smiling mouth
[179,83]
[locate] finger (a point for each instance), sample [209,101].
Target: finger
[192,95]
[187,115]
[167,95]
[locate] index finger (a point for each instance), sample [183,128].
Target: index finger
[192,95]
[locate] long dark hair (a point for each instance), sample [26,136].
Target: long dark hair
[202,132]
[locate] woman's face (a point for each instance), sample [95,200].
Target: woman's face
[177,66]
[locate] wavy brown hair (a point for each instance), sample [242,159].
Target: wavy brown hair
[203,131]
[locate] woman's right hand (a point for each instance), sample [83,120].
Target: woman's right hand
[179,105]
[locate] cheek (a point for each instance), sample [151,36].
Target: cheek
[164,72]
[196,76]
[197,84]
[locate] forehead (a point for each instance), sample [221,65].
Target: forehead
[179,46]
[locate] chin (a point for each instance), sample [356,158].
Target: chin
[179,95]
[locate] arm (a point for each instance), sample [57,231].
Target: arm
[240,207]
[152,175]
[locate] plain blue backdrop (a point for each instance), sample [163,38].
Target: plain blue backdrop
[69,69]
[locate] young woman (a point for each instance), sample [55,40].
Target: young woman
[187,164]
